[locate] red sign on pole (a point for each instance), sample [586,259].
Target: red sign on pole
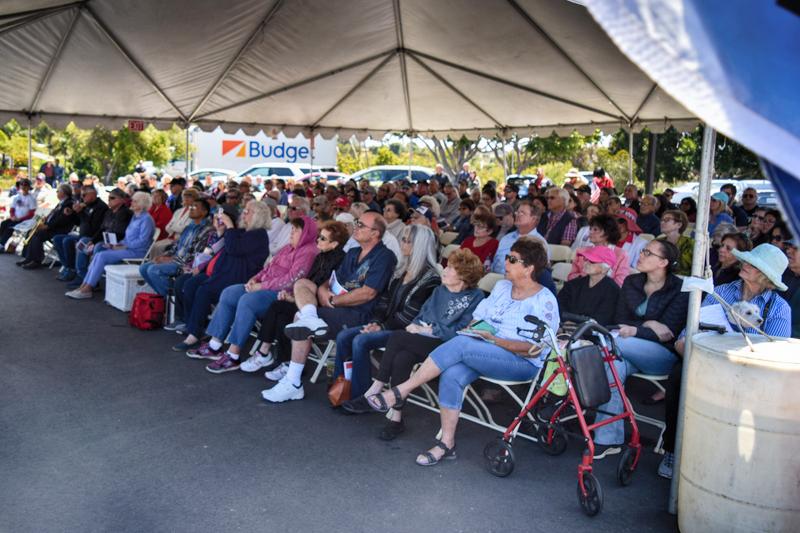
[136,125]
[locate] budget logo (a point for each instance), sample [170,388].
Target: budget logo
[229,146]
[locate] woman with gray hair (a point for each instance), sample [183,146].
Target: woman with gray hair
[415,278]
[138,238]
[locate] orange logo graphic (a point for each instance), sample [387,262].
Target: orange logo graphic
[228,146]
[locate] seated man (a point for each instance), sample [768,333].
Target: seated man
[558,224]
[344,301]
[23,207]
[191,242]
[91,212]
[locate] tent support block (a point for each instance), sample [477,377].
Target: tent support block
[696,296]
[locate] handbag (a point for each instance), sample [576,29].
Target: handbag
[339,391]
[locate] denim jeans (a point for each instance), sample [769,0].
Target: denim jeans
[157,275]
[237,312]
[65,248]
[351,344]
[638,355]
[463,359]
[102,258]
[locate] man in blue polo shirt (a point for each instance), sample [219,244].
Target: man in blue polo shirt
[344,301]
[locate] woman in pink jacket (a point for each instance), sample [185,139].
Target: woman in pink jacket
[603,231]
[240,305]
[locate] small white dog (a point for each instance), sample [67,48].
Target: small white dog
[748,314]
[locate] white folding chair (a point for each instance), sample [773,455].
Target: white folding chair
[449,249]
[661,425]
[560,273]
[488,281]
[320,355]
[559,253]
[647,236]
[140,260]
[447,237]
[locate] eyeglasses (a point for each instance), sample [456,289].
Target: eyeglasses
[668,219]
[758,217]
[480,226]
[361,225]
[748,196]
[407,240]
[322,238]
[776,238]
[648,253]
[514,260]
[294,208]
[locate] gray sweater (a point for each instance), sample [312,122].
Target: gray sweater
[448,312]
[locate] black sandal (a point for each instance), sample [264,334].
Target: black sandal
[357,406]
[392,430]
[429,459]
[378,403]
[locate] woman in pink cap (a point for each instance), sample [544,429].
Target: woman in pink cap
[603,232]
[593,294]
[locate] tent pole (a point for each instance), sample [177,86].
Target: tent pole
[410,153]
[630,154]
[699,255]
[30,151]
[311,153]
[188,156]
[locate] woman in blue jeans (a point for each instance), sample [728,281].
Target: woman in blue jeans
[503,350]
[414,280]
[651,312]
[241,304]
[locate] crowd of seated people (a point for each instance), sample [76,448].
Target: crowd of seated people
[294,264]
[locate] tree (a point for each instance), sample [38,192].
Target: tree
[517,154]
[451,154]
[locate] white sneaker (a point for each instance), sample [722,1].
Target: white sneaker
[256,362]
[77,294]
[283,391]
[303,328]
[276,374]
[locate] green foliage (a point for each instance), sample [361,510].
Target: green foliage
[347,163]
[385,156]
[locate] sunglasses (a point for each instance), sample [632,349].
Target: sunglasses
[294,208]
[361,225]
[748,196]
[323,238]
[514,260]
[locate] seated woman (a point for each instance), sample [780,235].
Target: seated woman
[726,270]
[673,223]
[463,222]
[59,222]
[415,278]
[651,312]
[604,231]
[160,211]
[503,353]
[481,242]
[138,238]
[180,220]
[243,253]
[594,294]
[331,239]
[448,310]
[760,277]
[240,305]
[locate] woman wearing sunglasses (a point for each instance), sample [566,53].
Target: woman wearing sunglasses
[651,312]
[497,344]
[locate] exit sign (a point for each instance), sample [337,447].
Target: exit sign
[136,125]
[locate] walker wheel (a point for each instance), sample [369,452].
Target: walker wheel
[499,457]
[626,466]
[557,443]
[592,501]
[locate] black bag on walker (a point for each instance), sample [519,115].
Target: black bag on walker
[589,375]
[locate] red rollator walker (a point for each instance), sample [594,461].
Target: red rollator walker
[574,372]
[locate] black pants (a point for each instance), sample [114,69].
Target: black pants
[403,351]
[6,230]
[673,393]
[279,315]
[34,251]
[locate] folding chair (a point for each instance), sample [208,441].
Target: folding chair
[140,260]
[447,237]
[647,236]
[560,273]
[559,253]
[449,249]
[488,281]
[320,355]
[662,426]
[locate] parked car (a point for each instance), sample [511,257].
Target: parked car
[334,178]
[217,174]
[383,173]
[287,171]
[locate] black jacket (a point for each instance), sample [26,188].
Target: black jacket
[324,264]
[400,303]
[91,219]
[598,302]
[667,305]
[114,222]
[59,222]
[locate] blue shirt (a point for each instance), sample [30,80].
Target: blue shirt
[719,219]
[778,323]
[504,247]
[373,271]
[139,233]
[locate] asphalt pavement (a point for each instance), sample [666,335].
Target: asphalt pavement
[104,428]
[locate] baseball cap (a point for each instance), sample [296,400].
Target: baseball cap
[342,202]
[599,254]
[720,197]
[629,216]
[424,211]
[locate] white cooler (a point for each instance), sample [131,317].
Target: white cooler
[123,283]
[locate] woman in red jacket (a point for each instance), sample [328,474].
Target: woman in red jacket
[160,211]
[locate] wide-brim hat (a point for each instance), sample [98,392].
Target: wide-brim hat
[573,173]
[629,216]
[769,260]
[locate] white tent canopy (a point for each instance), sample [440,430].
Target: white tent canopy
[344,67]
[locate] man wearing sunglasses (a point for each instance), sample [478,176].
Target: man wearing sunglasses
[298,207]
[345,300]
[739,215]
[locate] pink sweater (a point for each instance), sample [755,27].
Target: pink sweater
[290,264]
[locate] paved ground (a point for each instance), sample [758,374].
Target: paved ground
[103,428]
